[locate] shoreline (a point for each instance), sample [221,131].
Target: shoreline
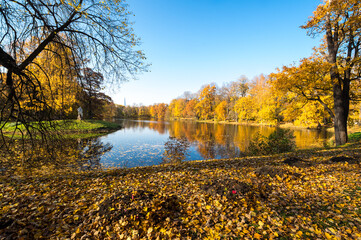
[288,125]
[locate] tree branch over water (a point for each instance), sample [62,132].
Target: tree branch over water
[95,34]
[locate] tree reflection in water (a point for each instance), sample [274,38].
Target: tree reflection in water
[60,155]
[90,153]
[175,150]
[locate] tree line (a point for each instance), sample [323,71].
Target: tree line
[259,100]
[320,89]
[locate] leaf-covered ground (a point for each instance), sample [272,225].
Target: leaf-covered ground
[306,195]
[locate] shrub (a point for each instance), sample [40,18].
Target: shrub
[279,141]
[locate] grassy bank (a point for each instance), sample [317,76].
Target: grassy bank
[308,194]
[67,127]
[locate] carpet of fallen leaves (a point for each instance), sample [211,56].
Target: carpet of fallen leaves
[303,195]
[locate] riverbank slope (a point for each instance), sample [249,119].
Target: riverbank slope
[305,194]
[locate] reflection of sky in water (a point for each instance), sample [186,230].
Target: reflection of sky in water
[134,147]
[141,143]
[139,147]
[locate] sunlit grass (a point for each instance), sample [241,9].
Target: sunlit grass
[63,125]
[355,136]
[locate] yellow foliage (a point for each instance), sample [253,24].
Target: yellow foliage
[205,105]
[221,111]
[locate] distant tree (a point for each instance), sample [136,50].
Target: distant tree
[187,95]
[91,86]
[231,92]
[143,112]
[161,110]
[245,107]
[234,90]
[206,102]
[131,112]
[158,110]
[221,111]
[176,107]
[189,111]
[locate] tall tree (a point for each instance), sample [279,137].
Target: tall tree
[91,83]
[231,92]
[96,32]
[220,111]
[206,102]
[340,21]
[58,81]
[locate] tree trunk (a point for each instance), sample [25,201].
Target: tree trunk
[341,104]
[341,87]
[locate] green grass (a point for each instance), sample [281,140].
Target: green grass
[65,126]
[353,137]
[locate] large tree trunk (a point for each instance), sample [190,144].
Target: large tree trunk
[341,105]
[341,87]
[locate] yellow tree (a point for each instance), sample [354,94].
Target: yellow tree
[245,108]
[264,105]
[99,31]
[231,92]
[340,22]
[57,79]
[189,110]
[205,105]
[305,90]
[158,110]
[153,112]
[176,107]
[220,111]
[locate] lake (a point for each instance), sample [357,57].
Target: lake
[143,143]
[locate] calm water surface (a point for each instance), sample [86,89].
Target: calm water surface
[142,143]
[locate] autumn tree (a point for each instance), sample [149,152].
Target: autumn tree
[340,22]
[143,112]
[158,110]
[220,111]
[58,80]
[97,33]
[177,106]
[245,108]
[189,110]
[260,103]
[231,92]
[206,102]
[305,91]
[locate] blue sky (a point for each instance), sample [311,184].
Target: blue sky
[191,43]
